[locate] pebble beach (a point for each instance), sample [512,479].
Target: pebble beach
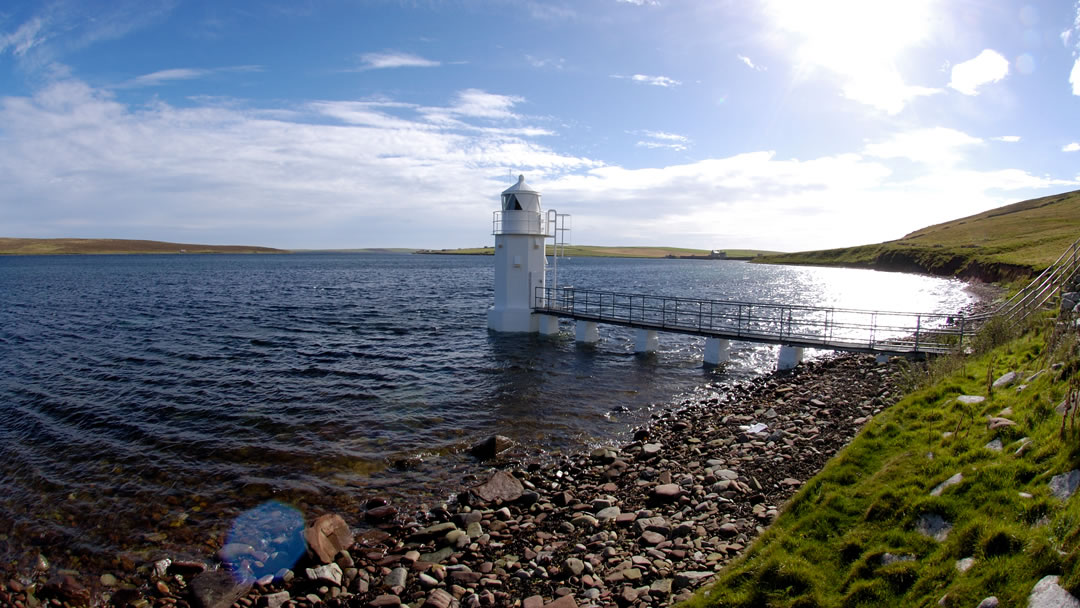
[643,523]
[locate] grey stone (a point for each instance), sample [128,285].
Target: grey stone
[574,566]
[934,526]
[970,399]
[396,578]
[963,565]
[1048,594]
[990,602]
[608,514]
[274,600]
[952,481]
[1005,380]
[994,446]
[1063,486]
[330,573]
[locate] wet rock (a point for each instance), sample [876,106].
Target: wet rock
[380,514]
[65,588]
[491,447]
[217,589]
[327,536]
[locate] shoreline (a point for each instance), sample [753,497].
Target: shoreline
[644,523]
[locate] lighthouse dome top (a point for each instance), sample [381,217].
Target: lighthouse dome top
[521,197]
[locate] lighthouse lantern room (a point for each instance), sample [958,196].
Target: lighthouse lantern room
[521,231]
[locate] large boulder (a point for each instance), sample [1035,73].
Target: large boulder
[500,486]
[327,536]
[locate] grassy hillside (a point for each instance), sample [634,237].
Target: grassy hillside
[10,246]
[1014,241]
[616,252]
[851,537]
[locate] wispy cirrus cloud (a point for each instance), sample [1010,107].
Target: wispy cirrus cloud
[640,2]
[395,59]
[1011,139]
[662,140]
[656,81]
[161,77]
[938,145]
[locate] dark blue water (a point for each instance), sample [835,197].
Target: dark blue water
[146,400]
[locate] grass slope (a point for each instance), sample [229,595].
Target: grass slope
[831,544]
[616,252]
[1014,241]
[12,246]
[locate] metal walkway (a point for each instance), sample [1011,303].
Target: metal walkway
[878,332]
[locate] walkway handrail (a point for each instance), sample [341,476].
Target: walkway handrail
[826,327]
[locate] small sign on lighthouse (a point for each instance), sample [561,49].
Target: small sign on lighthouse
[521,231]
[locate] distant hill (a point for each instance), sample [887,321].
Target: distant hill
[584,251]
[1016,241]
[12,246]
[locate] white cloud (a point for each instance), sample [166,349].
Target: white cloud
[750,63]
[859,42]
[23,39]
[75,154]
[387,172]
[661,139]
[989,66]
[394,59]
[656,81]
[1012,139]
[932,146]
[640,2]
[1074,77]
[1073,147]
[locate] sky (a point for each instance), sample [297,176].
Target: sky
[781,124]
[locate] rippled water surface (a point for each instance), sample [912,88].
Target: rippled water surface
[146,400]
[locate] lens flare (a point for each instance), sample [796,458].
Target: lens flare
[264,541]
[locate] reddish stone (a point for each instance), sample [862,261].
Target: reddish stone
[500,486]
[327,536]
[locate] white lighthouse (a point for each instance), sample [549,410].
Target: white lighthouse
[520,259]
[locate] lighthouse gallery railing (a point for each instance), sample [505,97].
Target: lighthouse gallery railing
[804,326]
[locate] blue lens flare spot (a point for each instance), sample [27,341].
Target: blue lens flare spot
[263,541]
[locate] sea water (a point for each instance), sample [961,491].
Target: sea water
[146,400]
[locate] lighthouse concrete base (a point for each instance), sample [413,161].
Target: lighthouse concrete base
[646,341]
[513,320]
[790,356]
[586,331]
[549,325]
[717,351]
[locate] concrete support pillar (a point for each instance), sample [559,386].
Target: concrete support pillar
[646,341]
[790,356]
[585,331]
[549,325]
[717,351]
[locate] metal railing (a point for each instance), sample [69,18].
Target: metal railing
[806,326]
[522,222]
[1041,290]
